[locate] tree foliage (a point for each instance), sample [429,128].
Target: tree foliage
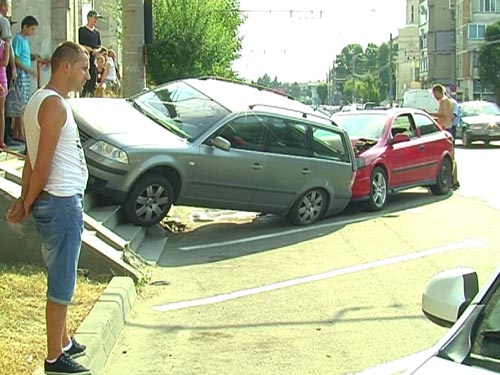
[489,59]
[193,38]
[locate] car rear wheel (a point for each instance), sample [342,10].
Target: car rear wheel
[309,207]
[444,179]
[378,189]
[149,200]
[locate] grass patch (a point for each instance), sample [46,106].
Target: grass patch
[22,314]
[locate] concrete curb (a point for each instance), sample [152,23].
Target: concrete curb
[100,330]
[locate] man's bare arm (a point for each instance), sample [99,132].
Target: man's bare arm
[51,117]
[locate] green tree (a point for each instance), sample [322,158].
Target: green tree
[193,38]
[489,59]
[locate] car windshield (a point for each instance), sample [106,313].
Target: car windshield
[180,108]
[362,125]
[476,109]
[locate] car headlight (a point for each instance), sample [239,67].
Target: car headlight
[109,151]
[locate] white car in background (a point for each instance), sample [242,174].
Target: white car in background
[472,345]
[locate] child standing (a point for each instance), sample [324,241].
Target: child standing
[23,59]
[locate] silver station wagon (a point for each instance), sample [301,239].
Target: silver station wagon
[210,142]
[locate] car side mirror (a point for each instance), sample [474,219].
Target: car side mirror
[448,294]
[400,137]
[221,143]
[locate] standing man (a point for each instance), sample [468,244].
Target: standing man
[54,178]
[90,38]
[445,112]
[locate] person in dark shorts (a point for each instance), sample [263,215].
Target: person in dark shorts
[90,38]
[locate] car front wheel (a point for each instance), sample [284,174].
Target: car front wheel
[444,179]
[149,200]
[378,190]
[309,207]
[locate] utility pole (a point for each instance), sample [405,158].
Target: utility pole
[133,56]
[391,70]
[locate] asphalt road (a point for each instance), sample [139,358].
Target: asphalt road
[339,297]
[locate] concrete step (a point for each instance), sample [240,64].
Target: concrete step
[110,215]
[131,233]
[104,233]
[153,245]
[12,168]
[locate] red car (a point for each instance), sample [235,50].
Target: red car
[397,149]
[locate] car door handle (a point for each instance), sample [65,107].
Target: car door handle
[257,166]
[305,171]
[422,148]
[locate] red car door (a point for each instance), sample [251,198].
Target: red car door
[434,142]
[406,158]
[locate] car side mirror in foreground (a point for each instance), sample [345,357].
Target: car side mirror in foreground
[448,294]
[400,137]
[221,143]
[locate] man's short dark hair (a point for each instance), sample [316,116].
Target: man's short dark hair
[29,21]
[67,51]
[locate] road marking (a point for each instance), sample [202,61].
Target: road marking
[284,233]
[398,365]
[318,277]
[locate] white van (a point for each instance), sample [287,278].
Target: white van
[420,99]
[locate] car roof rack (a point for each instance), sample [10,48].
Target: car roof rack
[304,114]
[254,85]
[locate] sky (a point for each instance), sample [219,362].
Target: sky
[297,40]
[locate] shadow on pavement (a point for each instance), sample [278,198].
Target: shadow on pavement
[222,241]
[338,318]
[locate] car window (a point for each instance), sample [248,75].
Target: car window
[486,337]
[425,124]
[329,144]
[403,124]
[246,133]
[287,137]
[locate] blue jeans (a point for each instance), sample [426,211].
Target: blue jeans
[59,220]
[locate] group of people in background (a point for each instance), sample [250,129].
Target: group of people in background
[103,69]
[18,66]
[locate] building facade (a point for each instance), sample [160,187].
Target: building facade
[437,42]
[408,62]
[473,16]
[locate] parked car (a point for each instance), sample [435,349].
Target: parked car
[397,149]
[472,345]
[479,121]
[214,143]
